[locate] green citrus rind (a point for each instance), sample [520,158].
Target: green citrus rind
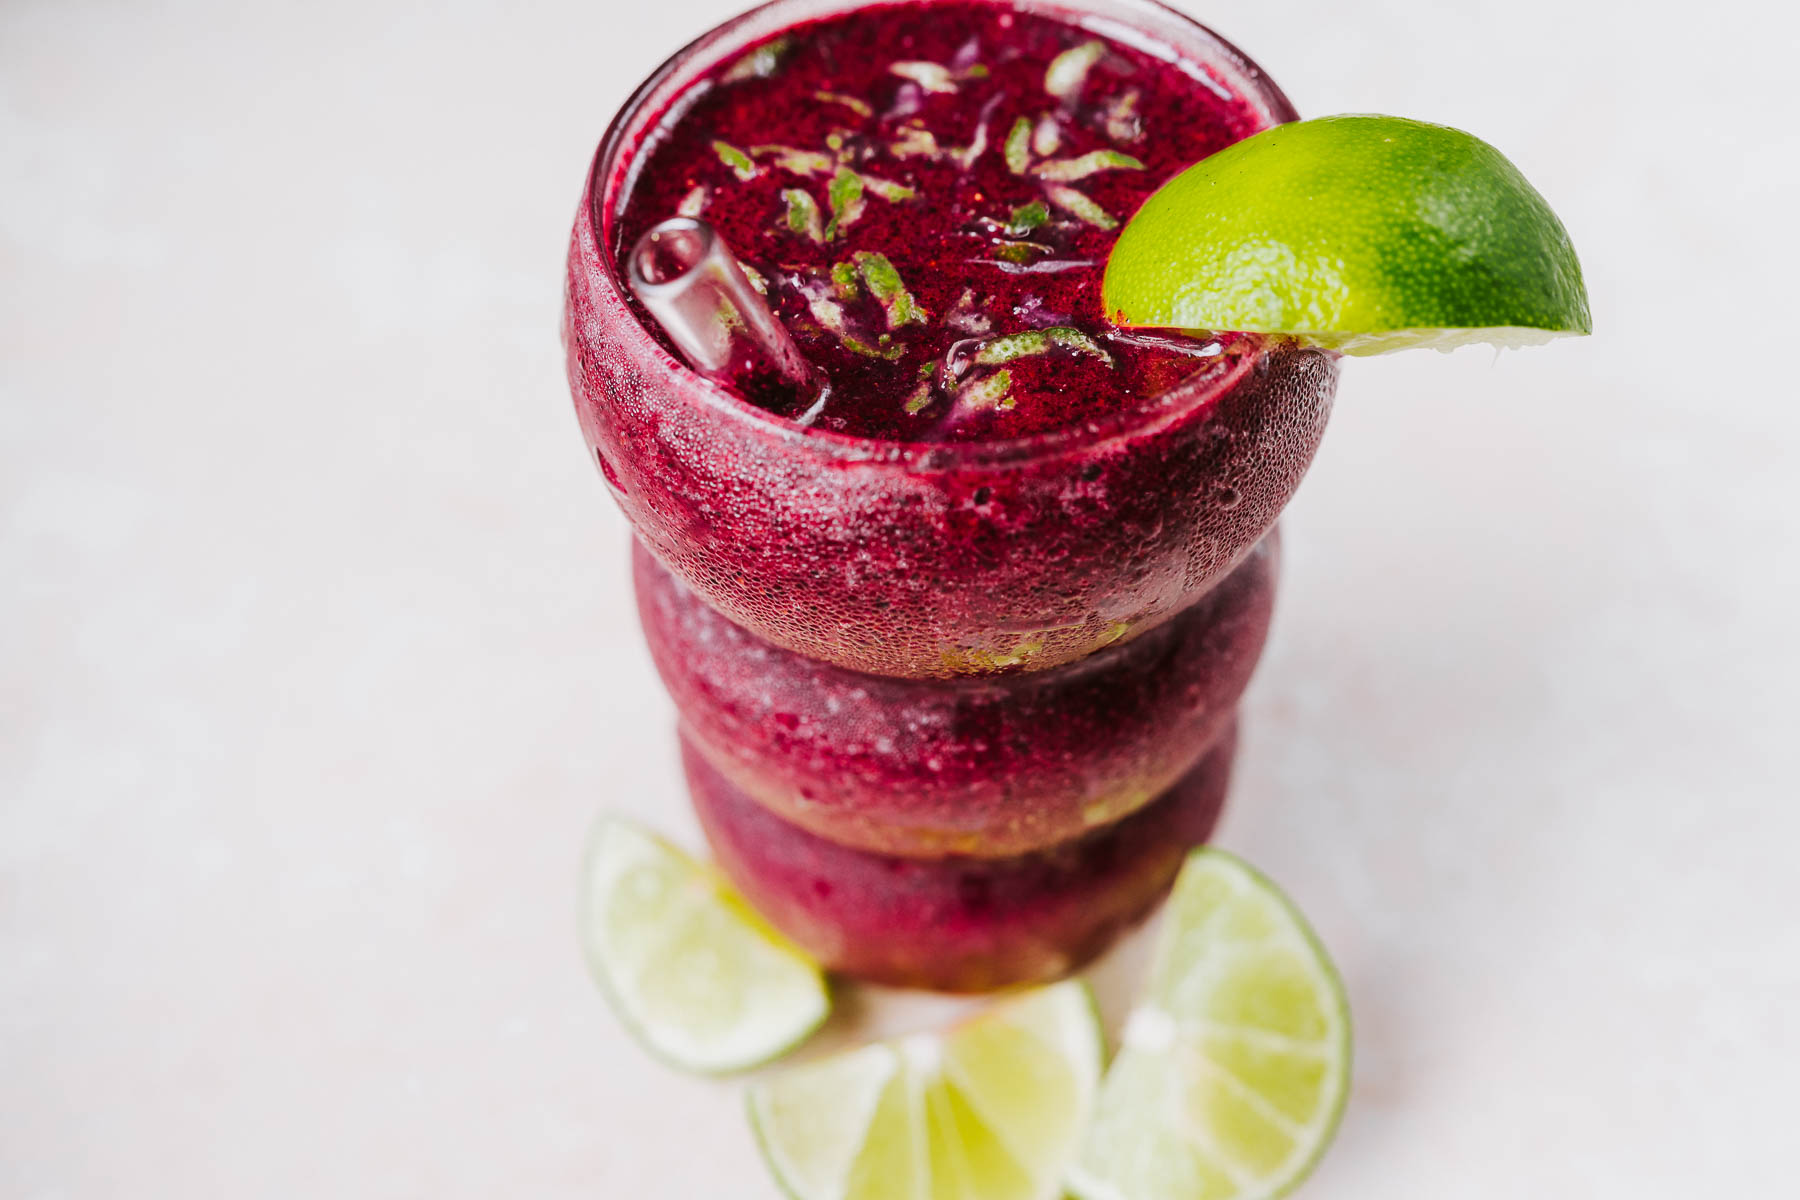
[1361,233]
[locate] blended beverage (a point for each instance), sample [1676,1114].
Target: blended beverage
[958,623]
[926,199]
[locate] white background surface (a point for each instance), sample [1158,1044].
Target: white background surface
[317,659]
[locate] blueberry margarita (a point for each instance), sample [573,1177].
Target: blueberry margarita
[977,604]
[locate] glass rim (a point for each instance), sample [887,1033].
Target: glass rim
[1196,392]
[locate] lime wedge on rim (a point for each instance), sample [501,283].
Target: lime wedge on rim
[699,979]
[1235,1067]
[990,1110]
[1363,234]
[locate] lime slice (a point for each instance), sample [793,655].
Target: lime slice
[1235,1067]
[1360,233]
[992,1110]
[696,976]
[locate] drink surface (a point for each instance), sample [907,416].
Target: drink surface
[927,194]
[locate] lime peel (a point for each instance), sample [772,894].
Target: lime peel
[1361,233]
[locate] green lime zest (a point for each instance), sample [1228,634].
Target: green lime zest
[1014,346]
[1068,71]
[1081,205]
[914,142]
[859,107]
[761,62]
[1026,218]
[844,279]
[845,195]
[1066,170]
[741,164]
[1017,148]
[887,189]
[991,391]
[790,158]
[803,216]
[884,283]
[933,77]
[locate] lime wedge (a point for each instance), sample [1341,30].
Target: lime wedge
[697,977]
[1235,1067]
[991,1110]
[1364,234]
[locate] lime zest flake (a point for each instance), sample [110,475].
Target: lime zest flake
[1046,136]
[832,319]
[845,279]
[990,391]
[921,397]
[933,77]
[1026,218]
[761,62]
[884,283]
[914,142]
[695,202]
[829,314]
[845,195]
[1018,146]
[887,353]
[856,106]
[1122,121]
[1068,71]
[1064,170]
[1081,205]
[800,162]
[887,189]
[1039,341]
[803,216]
[741,164]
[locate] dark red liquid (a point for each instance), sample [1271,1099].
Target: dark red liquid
[914,107]
[958,924]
